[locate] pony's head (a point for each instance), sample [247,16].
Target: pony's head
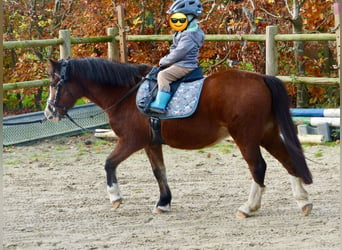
[74,78]
[62,95]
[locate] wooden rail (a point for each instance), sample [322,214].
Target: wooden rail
[113,39]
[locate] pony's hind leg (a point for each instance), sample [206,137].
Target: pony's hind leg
[275,146]
[257,166]
[301,195]
[253,203]
[155,155]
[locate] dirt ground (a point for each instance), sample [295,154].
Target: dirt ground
[55,198]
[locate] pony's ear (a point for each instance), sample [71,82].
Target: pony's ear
[53,63]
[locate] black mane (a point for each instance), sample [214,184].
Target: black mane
[105,71]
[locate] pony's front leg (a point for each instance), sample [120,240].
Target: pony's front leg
[123,149]
[112,185]
[155,155]
[301,196]
[254,201]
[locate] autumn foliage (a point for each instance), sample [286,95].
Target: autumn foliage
[42,19]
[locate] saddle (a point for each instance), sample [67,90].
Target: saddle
[185,94]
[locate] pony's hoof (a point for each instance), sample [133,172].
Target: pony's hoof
[306,209]
[157,210]
[241,215]
[116,204]
[161,209]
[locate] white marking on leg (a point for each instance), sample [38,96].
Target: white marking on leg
[114,192]
[299,193]
[161,209]
[254,199]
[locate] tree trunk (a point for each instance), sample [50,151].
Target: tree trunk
[297,28]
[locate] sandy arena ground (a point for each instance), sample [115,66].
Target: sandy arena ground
[55,198]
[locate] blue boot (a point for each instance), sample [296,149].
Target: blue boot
[160,103]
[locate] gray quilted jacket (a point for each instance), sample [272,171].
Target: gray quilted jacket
[184,49]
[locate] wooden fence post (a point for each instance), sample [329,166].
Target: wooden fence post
[337,16]
[113,46]
[271,51]
[65,48]
[121,23]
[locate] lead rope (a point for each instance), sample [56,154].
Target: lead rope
[76,124]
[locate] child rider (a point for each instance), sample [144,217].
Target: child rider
[183,55]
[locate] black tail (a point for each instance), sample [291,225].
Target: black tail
[281,108]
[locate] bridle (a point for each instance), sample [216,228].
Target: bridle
[53,105]
[63,77]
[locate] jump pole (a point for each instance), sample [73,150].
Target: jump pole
[315,112]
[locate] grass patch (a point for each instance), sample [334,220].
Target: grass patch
[11,162]
[36,156]
[331,143]
[223,148]
[100,142]
[319,153]
[59,147]
[327,144]
[82,151]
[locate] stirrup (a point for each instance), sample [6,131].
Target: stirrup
[158,111]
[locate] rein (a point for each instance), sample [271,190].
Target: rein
[122,99]
[103,111]
[76,124]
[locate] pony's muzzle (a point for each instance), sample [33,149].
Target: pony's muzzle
[51,114]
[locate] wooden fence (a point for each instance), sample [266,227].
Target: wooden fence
[115,38]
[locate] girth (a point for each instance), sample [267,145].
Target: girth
[155,125]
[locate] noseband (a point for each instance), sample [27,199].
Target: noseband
[63,77]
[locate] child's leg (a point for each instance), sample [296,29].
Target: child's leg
[165,77]
[170,74]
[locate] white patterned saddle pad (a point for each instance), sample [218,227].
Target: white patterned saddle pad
[183,103]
